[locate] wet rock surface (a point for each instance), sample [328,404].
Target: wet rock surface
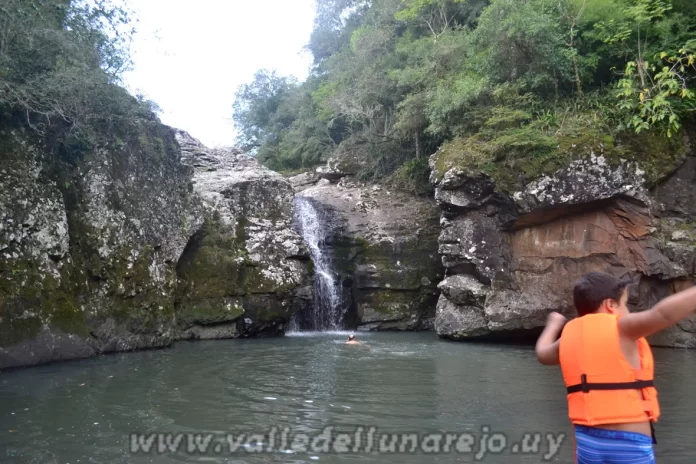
[384,250]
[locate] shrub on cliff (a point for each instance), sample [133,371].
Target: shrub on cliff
[60,65]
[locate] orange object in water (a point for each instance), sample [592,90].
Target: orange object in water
[603,387]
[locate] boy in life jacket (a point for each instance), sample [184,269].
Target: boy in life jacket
[607,367]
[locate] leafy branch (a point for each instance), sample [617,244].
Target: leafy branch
[654,100]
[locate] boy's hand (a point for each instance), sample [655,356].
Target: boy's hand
[555,319]
[547,345]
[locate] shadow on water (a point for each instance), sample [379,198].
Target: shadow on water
[511,338]
[398,383]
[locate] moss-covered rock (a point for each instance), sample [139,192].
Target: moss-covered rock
[395,309]
[515,158]
[213,264]
[520,226]
[245,270]
[92,232]
[89,238]
[36,273]
[210,311]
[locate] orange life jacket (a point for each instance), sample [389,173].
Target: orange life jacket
[603,388]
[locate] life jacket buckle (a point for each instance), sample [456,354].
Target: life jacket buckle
[583,383]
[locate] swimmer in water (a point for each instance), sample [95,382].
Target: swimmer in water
[352,340]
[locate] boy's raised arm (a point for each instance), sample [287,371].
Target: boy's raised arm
[664,314]
[547,345]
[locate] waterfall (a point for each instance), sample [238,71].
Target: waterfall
[326,314]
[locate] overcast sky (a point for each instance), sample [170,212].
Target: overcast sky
[190,57]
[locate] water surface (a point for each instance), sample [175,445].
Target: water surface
[398,383]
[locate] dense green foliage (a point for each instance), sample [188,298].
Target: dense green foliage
[60,66]
[509,83]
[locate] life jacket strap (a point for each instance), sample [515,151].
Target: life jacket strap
[585,387]
[652,432]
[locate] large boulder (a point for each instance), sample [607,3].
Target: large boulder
[245,268]
[512,257]
[90,241]
[382,245]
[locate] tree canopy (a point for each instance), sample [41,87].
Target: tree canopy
[394,80]
[60,68]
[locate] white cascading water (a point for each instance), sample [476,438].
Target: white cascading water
[326,313]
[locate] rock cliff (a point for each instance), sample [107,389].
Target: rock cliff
[512,256]
[383,245]
[105,248]
[245,271]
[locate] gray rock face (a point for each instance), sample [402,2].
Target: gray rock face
[384,247]
[213,331]
[46,345]
[343,163]
[676,196]
[510,260]
[31,230]
[473,242]
[459,322]
[302,181]
[585,180]
[90,246]
[246,263]
[676,238]
[100,251]
[135,216]
[464,290]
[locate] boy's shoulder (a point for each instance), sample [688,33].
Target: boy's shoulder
[598,323]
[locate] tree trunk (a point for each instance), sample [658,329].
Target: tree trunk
[640,67]
[578,81]
[571,44]
[417,145]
